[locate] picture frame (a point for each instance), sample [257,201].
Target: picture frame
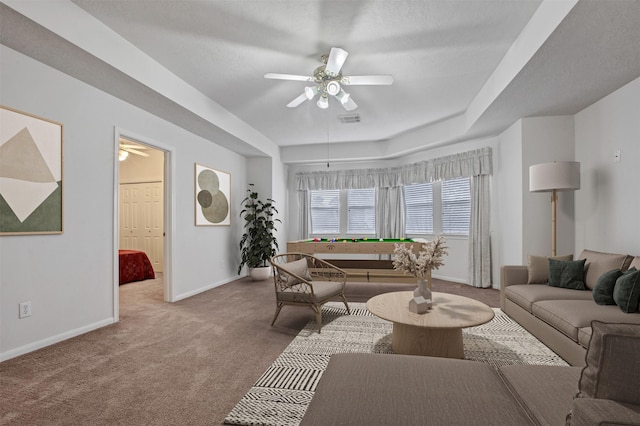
[31,174]
[212,197]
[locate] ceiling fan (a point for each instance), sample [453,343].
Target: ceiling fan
[329,81]
[125,149]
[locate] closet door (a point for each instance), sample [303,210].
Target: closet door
[141,220]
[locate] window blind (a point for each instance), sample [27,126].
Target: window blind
[419,208]
[361,207]
[456,206]
[325,212]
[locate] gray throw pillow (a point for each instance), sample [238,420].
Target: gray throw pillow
[298,267]
[626,293]
[611,370]
[567,274]
[603,290]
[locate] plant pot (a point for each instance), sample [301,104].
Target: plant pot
[260,273]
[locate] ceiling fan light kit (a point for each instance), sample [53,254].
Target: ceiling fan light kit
[329,80]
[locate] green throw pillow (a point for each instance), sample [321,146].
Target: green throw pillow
[603,290]
[567,274]
[626,293]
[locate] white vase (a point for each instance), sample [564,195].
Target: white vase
[260,273]
[422,300]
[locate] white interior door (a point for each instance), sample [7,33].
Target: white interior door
[141,220]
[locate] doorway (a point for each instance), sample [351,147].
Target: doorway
[142,208]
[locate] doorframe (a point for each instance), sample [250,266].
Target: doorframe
[168,211]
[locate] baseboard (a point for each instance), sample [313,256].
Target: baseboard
[202,289]
[54,339]
[452,279]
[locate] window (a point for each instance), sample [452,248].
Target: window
[361,217]
[456,206]
[325,212]
[442,207]
[346,212]
[419,208]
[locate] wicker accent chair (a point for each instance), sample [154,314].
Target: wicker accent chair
[305,280]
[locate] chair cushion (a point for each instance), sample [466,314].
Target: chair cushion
[626,293]
[538,268]
[297,267]
[603,291]
[598,263]
[322,290]
[567,274]
[612,370]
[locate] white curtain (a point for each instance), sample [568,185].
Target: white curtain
[479,235]
[465,164]
[303,217]
[390,215]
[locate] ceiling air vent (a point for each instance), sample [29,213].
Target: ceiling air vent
[349,118]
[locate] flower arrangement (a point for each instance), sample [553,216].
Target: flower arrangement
[421,264]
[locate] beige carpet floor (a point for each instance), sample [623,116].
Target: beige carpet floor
[188,362]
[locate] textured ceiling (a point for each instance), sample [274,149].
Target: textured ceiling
[441,53]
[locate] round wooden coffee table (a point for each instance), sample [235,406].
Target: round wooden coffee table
[435,333]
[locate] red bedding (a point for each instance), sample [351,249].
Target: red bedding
[134,266]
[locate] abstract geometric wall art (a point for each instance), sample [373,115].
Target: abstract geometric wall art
[213,196]
[30,174]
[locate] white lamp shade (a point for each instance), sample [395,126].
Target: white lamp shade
[559,175]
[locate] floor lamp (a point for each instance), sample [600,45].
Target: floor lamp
[553,177]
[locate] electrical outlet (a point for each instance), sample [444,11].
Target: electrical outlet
[617,156]
[25,310]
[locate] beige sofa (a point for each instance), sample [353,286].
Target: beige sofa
[382,389]
[561,317]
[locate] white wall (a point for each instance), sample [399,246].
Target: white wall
[525,217]
[509,205]
[545,140]
[608,203]
[69,277]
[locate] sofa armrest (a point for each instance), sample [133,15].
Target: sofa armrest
[591,412]
[510,275]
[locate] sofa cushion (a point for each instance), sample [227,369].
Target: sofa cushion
[538,268]
[383,389]
[546,391]
[526,295]
[567,274]
[567,316]
[603,290]
[598,263]
[605,412]
[626,293]
[635,263]
[612,370]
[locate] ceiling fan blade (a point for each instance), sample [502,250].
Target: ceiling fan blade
[276,76]
[336,59]
[297,101]
[350,105]
[135,151]
[376,80]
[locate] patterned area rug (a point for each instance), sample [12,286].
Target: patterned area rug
[281,396]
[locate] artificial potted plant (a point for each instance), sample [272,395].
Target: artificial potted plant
[258,243]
